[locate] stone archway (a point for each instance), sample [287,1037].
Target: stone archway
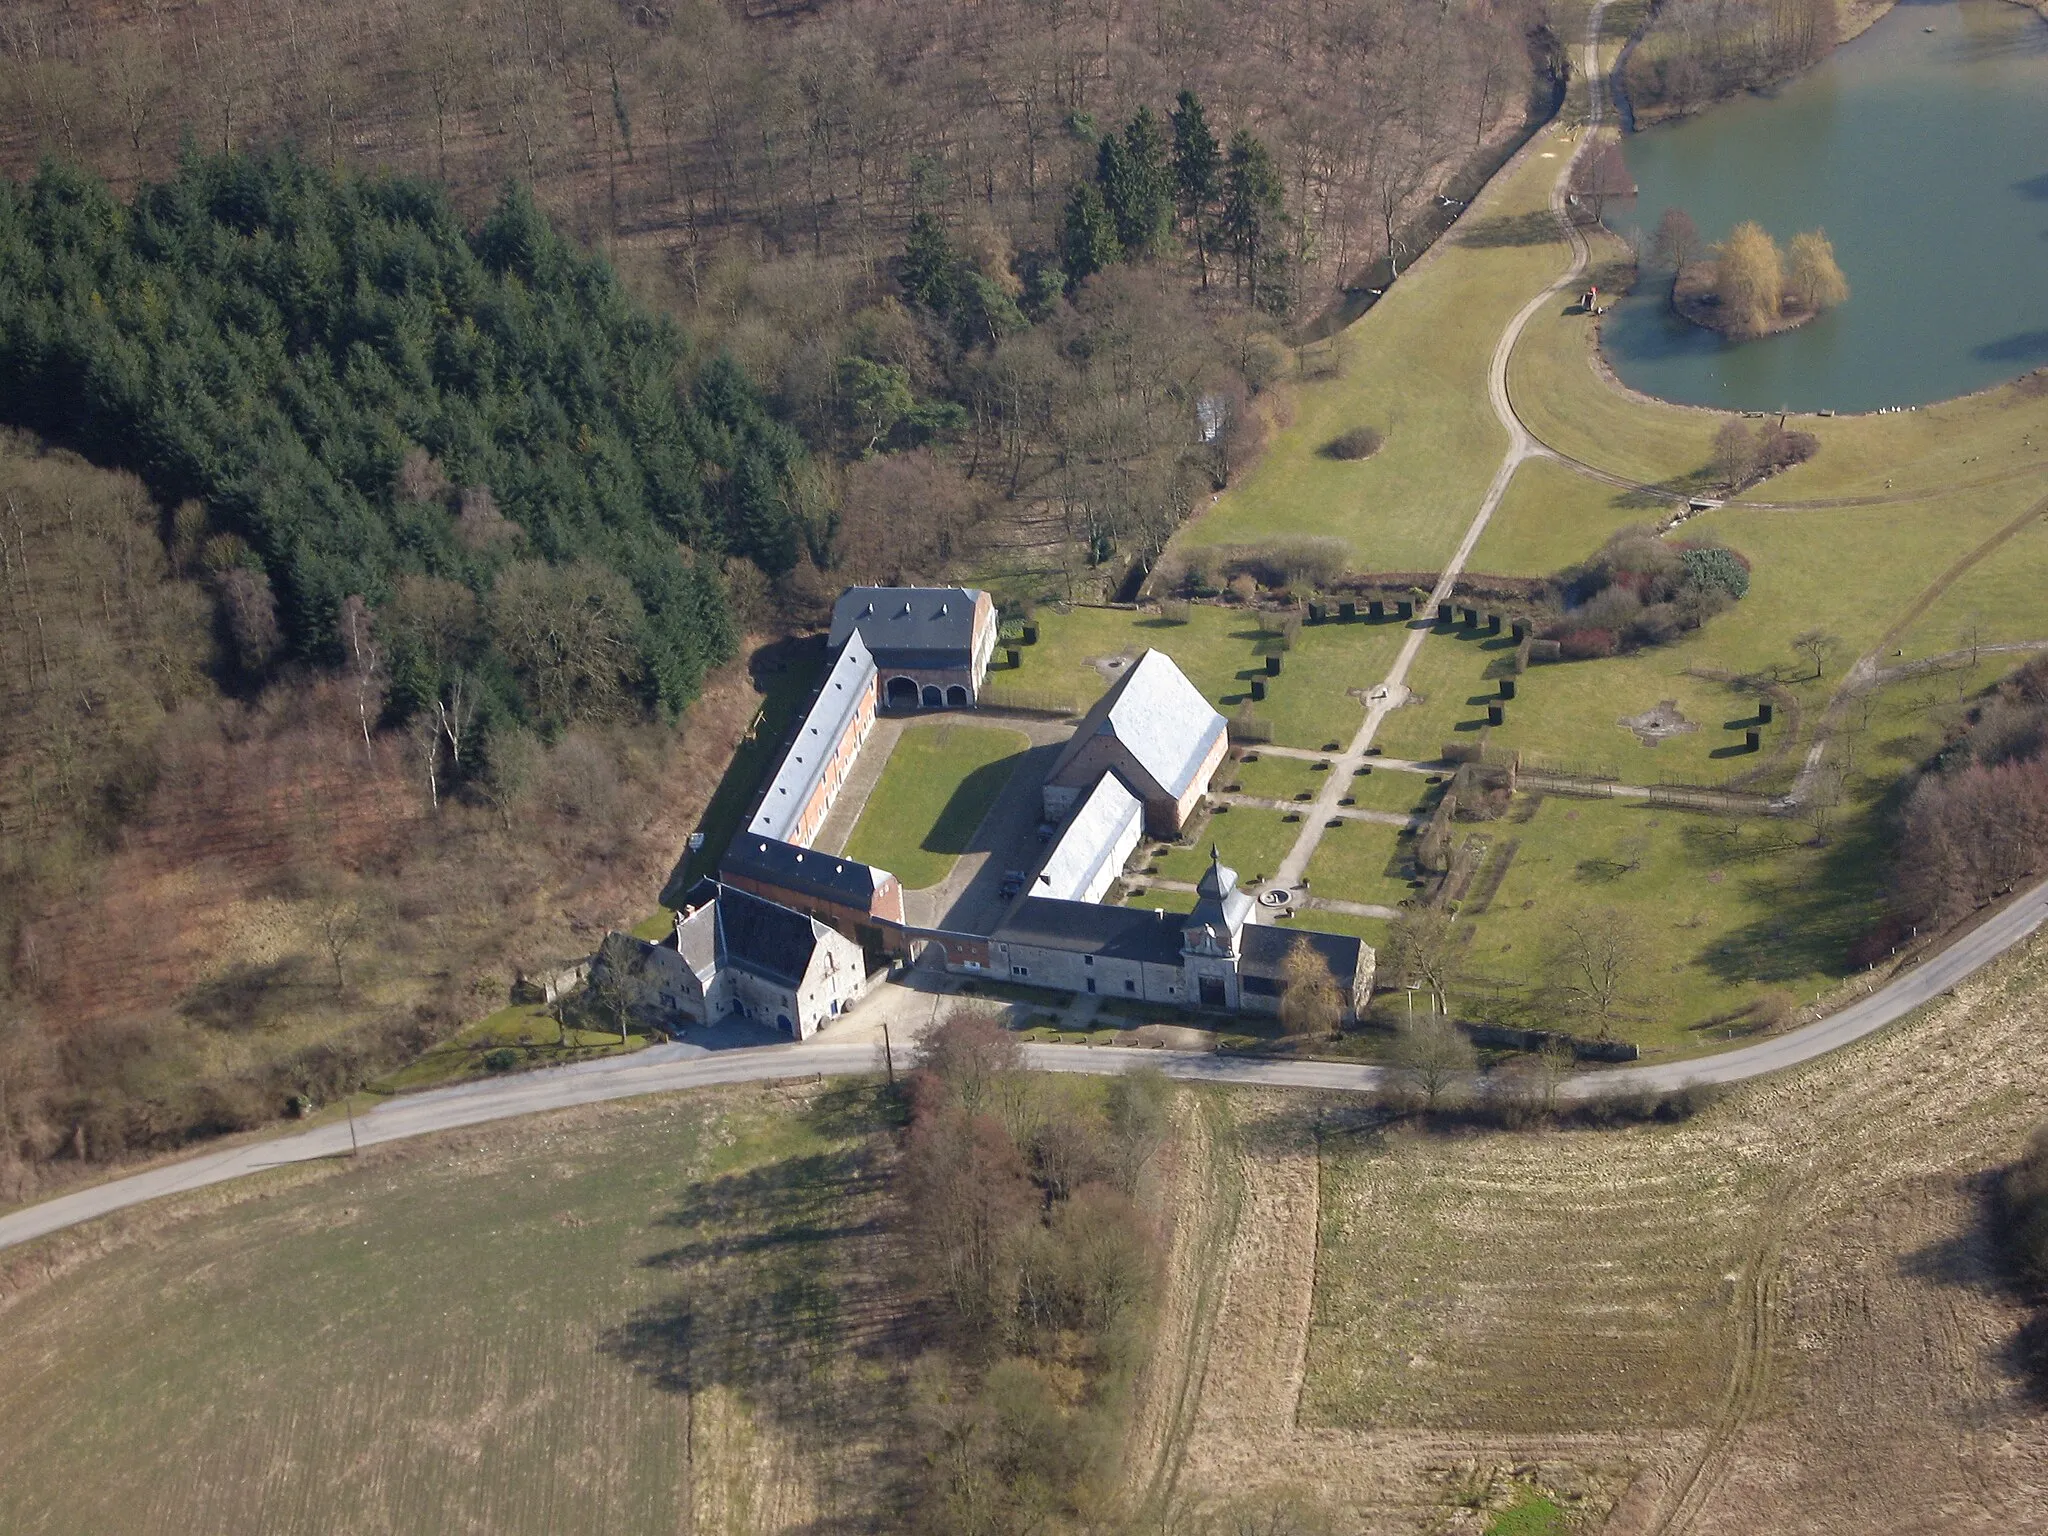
[902,693]
[933,699]
[956,697]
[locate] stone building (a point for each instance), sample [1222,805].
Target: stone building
[1217,956]
[735,955]
[1153,730]
[931,645]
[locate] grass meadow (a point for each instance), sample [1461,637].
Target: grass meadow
[934,791]
[1414,366]
[664,1315]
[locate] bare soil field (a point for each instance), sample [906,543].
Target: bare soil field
[1784,1314]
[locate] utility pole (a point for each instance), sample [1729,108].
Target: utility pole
[348,1103]
[888,1052]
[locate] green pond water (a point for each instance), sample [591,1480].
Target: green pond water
[1924,156]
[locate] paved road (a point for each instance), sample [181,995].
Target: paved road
[666,1069]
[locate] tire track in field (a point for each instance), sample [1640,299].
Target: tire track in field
[1207,1195]
[1756,1328]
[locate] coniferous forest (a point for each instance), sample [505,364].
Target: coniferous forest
[353,397]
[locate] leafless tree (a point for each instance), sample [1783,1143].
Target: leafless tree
[1819,646]
[365,663]
[1433,1058]
[1310,1003]
[1422,951]
[341,916]
[1595,960]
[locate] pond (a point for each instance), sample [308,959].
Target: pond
[1924,156]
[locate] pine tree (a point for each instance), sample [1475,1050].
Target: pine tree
[930,264]
[1150,209]
[1197,181]
[1252,219]
[1088,239]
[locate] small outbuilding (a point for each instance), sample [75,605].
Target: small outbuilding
[931,645]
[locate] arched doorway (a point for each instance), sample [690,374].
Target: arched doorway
[902,693]
[933,699]
[956,697]
[782,1021]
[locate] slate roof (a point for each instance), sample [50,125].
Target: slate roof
[767,938]
[817,735]
[1088,839]
[909,626]
[1219,904]
[1084,928]
[1159,717]
[697,927]
[1262,956]
[806,871]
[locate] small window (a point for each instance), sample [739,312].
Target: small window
[1018,970]
[1130,986]
[1087,959]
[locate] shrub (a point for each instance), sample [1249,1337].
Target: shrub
[1715,569]
[1358,443]
[1308,562]
[503,1059]
[1585,644]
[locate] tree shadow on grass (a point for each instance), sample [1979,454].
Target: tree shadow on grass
[787,1291]
[1813,912]
[1537,227]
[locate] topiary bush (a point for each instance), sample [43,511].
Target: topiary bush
[1358,443]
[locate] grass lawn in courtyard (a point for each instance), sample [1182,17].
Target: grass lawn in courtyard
[1310,704]
[1390,789]
[1252,842]
[1272,778]
[1219,648]
[1363,861]
[1371,929]
[934,791]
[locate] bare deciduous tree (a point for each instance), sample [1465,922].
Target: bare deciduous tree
[1595,959]
[1433,1057]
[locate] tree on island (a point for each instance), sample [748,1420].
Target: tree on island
[1676,243]
[1817,282]
[1749,276]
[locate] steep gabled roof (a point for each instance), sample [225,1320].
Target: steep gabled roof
[1160,719]
[765,937]
[1088,839]
[909,626]
[804,870]
[810,749]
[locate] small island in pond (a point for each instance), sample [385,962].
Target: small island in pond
[1747,286]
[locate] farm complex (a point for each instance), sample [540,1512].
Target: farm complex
[780,937]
